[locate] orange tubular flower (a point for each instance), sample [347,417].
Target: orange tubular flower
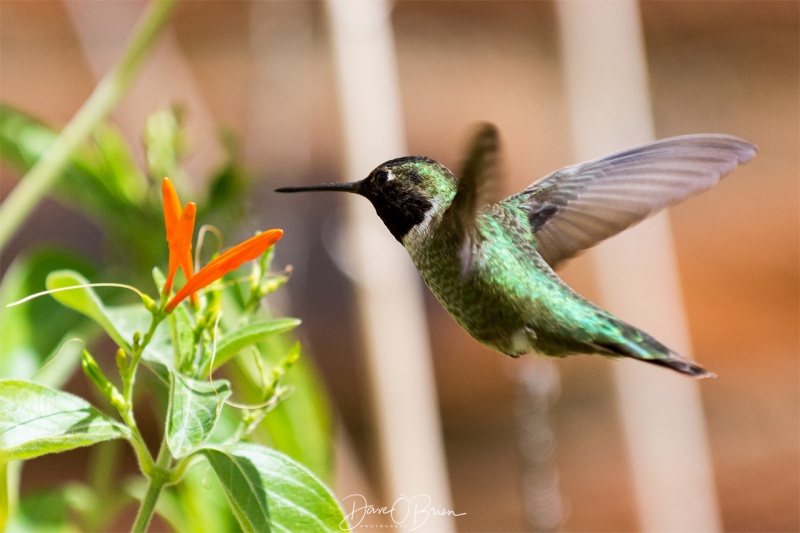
[180,227]
[227,262]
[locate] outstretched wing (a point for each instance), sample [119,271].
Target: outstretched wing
[578,206]
[478,172]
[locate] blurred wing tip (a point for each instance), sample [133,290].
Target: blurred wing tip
[485,126]
[744,150]
[747,152]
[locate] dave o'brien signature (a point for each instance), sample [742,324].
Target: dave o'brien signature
[410,512]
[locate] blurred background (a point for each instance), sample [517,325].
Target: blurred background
[264,71]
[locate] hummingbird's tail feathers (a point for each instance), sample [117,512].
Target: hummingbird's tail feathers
[639,345]
[683,365]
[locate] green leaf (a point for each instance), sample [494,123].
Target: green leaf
[97,181]
[234,342]
[228,188]
[36,420]
[180,326]
[165,142]
[84,300]
[105,169]
[34,331]
[193,411]
[269,491]
[23,139]
[120,176]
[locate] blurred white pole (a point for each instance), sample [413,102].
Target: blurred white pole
[606,74]
[388,290]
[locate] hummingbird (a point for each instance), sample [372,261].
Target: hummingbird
[492,265]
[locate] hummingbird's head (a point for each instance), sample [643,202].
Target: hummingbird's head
[402,191]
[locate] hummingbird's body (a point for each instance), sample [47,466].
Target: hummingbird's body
[491,265]
[531,309]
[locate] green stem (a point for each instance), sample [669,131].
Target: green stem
[9,490]
[146,463]
[125,406]
[30,190]
[129,375]
[158,478]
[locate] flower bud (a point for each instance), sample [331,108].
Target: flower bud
[149,304]
[122,362]
[93,372]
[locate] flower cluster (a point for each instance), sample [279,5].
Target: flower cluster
[179,221]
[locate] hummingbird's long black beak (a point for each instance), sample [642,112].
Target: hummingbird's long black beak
[345,187]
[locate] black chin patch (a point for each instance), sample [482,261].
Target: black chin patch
[400,210]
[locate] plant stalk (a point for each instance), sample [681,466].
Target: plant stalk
[44,174]
[158,478]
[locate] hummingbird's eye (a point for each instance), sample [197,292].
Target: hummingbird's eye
[382,176]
